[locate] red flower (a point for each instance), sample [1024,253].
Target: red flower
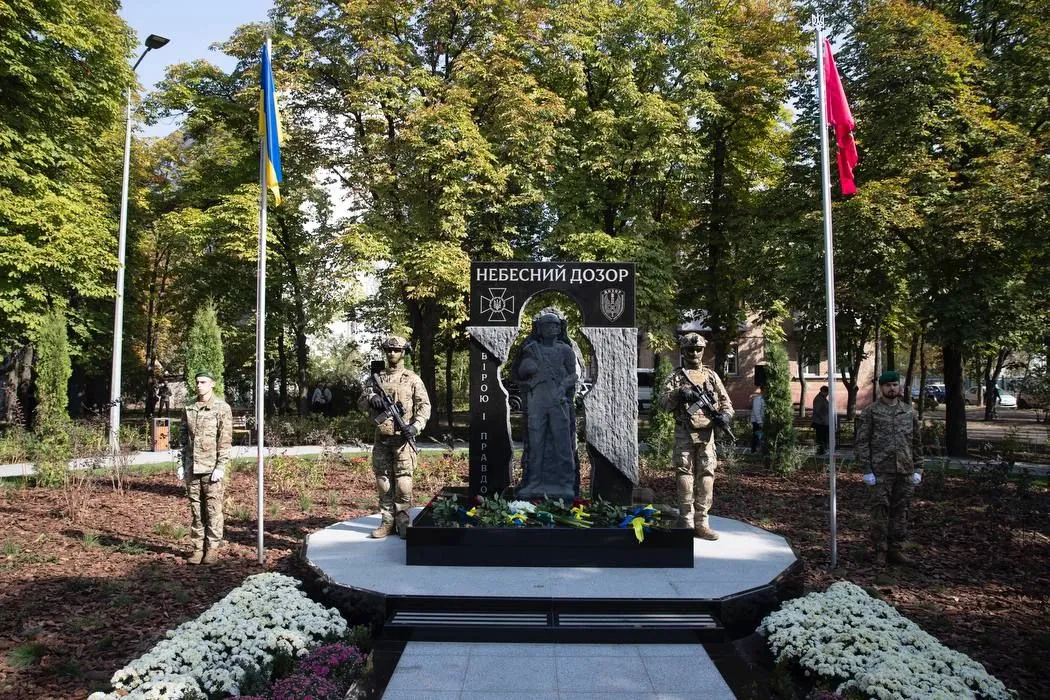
[577,502]
[479,499]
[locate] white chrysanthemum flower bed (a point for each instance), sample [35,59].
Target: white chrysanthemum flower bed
[845,635]
[265,617]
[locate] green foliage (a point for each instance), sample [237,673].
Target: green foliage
[660,435]
[204,350]
[779,418]
[62,89]
[25,654]
[53,370]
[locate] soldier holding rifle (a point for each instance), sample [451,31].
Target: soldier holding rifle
[700,404]
[400,408]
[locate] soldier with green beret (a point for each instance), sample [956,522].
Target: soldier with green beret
[393,459]
[694,434]
[208,429]
[889,450]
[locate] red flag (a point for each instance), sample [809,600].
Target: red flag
[840,117]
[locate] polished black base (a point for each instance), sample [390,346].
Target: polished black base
[430,545]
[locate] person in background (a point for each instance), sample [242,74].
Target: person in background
[821,419]
[758,419]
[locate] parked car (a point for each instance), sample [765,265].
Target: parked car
[937,391]
[1006,400]
[929,397]
[1026,400]
[645,388]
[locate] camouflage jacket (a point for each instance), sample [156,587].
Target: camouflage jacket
[209,436]
[400,385]
[671,399]
[888,439]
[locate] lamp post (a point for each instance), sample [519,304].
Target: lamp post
[152,42]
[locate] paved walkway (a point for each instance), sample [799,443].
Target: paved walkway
[242,452]
[457,671]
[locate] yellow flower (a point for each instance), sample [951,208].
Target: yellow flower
[517,517]
[639,528]
[579,513]
[473,512]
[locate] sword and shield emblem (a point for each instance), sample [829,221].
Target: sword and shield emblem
[611,303]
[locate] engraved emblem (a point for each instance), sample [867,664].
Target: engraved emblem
[611,302]
[497,305]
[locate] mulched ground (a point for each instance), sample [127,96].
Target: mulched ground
[78,599]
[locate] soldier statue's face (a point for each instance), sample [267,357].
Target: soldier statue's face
[549,330]
[205,387]
[692,355]
[394,357]
[890,391]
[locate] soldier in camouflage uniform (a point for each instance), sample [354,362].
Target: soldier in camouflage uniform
[392,458]
[694,435]
[208,429]
[889,449]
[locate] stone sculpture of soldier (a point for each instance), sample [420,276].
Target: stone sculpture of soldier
[393,453]
[546,369]
[694,433]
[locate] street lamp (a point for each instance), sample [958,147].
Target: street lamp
[152,42]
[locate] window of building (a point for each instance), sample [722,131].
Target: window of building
[812,367]
[731,367]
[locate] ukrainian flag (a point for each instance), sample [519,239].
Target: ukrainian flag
[270,128]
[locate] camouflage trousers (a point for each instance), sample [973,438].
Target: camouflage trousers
[694,462]
[392,463]
[891,495]
[206,522]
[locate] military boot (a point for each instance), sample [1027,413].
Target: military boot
[704,532]
[384,529]
[211,556]
[196,557]
[401,523]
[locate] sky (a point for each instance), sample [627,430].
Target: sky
[192,26]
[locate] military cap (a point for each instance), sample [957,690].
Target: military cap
[204,373]
[889,376]
[692,340]
[395,342]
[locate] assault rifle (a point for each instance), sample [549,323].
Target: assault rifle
[706,404]
[391,409]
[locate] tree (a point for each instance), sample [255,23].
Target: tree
[779,421]
[204,350]
[53,370]
[62,85]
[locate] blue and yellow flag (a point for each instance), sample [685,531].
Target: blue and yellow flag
[270,128]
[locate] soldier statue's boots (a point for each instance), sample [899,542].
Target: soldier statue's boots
[401,523]
[211,556]
[703,532]
[196,558]
[895,556]
[386,528]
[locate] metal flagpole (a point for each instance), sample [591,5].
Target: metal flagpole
[829,282]
[260,327]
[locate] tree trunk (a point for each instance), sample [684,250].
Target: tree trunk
[891,352]
[282,365]
[955,409]
[878,362]
[991,378]
[922,372]
[801,383]
[448,389]
[912,354]
[424,316]
[302,354]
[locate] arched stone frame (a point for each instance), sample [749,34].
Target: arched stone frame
[605,295]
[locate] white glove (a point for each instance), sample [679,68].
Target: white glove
[180,473]
[216,474]
[916,478]
[869,479]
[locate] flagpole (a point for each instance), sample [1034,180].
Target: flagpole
[260,334]
[829,284]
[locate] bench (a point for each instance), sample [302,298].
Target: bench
[243,425]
